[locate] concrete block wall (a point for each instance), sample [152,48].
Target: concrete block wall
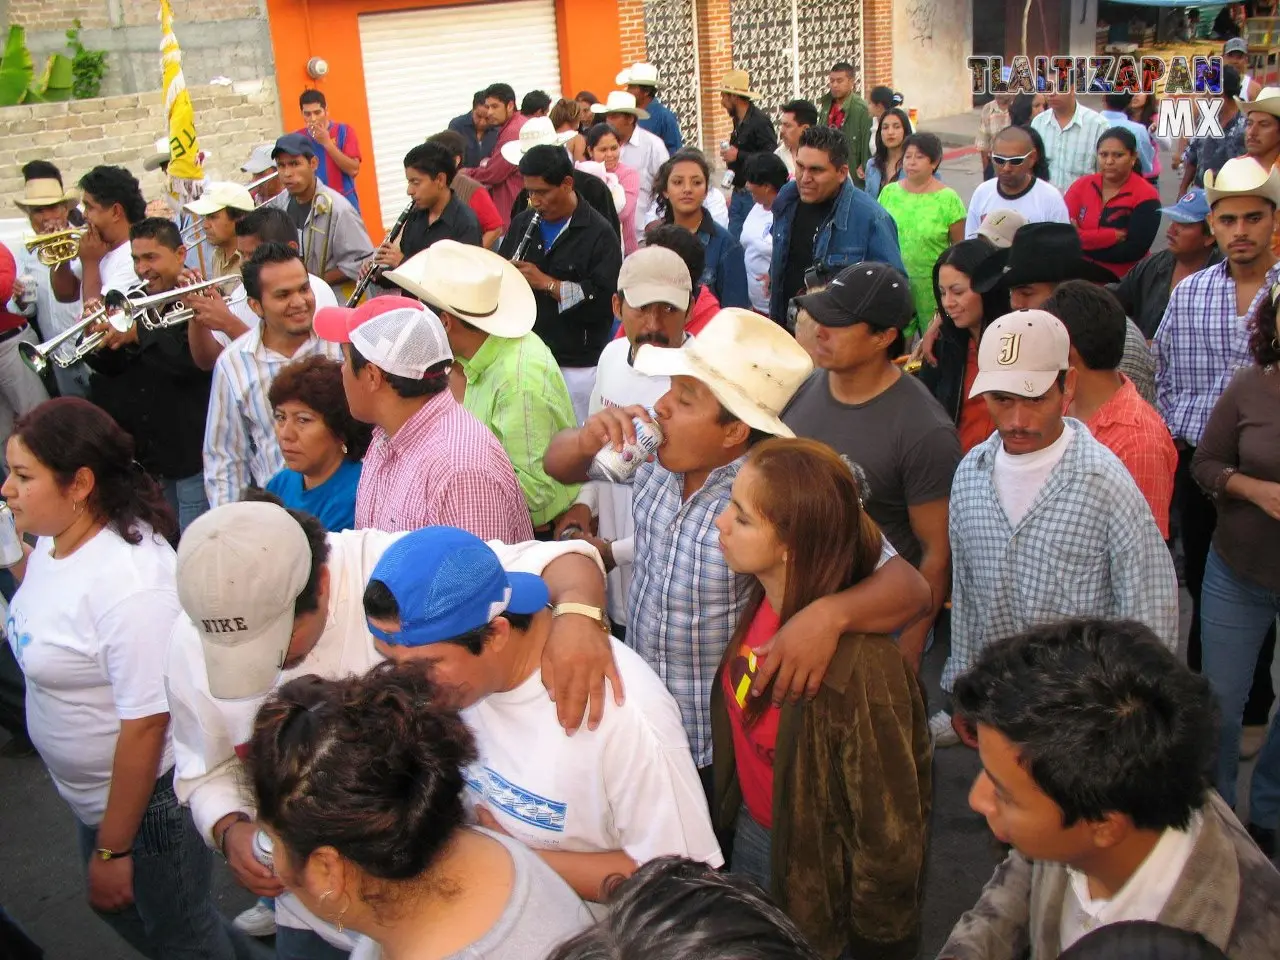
[122,130]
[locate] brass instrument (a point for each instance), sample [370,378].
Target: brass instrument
[321,206]
[909,363]
[120,311]
[190,234]
[59,247]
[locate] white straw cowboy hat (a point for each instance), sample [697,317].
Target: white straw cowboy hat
[536,132]
[473,284]
[751,364]
[1242,177]
[738,83]
[43,192]
[1267,101]
[639,75]
[161,154]
[620,102]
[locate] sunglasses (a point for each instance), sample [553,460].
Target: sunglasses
[999,161]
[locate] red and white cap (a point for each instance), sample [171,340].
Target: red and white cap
[397,335]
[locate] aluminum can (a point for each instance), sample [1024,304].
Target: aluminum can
[619,466]
[10,542]
[263,849]
[27,297]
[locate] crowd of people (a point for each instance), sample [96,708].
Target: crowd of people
[567,598]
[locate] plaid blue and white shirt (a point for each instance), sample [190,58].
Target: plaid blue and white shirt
[1087,547]
[1200,343]
[1072,151]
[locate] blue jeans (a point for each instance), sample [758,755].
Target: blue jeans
[294,944]
[752,846]
[740,205]
[173,916]
[1235,616]
[187,498]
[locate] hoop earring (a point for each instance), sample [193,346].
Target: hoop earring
[342,913]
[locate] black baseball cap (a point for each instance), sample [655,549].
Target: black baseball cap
[295,145]
[867,292]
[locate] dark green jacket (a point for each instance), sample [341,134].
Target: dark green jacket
[852,792]
[856,130]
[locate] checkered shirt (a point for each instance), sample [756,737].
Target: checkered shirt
[1072,152]
[1130,428]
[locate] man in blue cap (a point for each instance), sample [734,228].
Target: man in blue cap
[594,806]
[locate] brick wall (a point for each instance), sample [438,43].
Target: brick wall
[631,28]
[100,14]
[877,44]
[122,130]
[715,59]
[59,14]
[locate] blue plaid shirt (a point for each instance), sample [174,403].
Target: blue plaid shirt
[1199,345]
[1087,547]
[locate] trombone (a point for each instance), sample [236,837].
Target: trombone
[59,247]
[194,231]
[120,311]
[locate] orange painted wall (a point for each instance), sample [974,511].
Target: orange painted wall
[590,57]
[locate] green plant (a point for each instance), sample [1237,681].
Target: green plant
[87,67]
[18,81]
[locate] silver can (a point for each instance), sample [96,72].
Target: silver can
[264,849]
[10,543]
[26,297]
[619,466]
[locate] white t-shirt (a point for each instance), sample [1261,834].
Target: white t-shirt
[324,295]
[115,269]
[757,253]
[630,784]
[90,632]
[1041,204]
[1018,479]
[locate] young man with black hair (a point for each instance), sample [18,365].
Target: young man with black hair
[240,446]
[571,261]
[842,109]
[478,134]
[112,202]
[536,103]
[500,176]
[688,248]
[468,191]
[431,462]
[795,117]
[1096,744]
[336,146]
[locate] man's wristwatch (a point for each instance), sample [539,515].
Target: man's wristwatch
[584,610]
[102,853]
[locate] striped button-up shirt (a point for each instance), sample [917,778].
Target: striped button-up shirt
[1087,547]
[1072,151]
[442,467]
[240,445]
[1201,342]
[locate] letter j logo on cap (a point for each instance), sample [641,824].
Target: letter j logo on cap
[1010,344]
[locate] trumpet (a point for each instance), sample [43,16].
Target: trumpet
[120,311]
[194,231]
[53,249]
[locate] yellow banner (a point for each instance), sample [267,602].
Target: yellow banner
[184,151]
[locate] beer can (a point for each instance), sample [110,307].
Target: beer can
[619,466]
[264,849]
[10,542]
[27,296]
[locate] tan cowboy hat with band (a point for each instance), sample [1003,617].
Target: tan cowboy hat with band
[620,102]
[1267,101]
[738,83]
[473,284]
[1242,177]
[43,192]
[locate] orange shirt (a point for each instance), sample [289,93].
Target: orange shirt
[975,420]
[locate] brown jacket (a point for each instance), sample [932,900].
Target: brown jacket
[1228,893]
[852,791]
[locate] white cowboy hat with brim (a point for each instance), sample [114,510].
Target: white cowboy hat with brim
[738,83]
[638,74]
[620,102]
[43,192]
[751,364]
[471,283]
[1242,177]
[537,132]
[1267,101]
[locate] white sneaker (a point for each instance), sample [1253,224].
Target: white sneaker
[941,730]
[257,921]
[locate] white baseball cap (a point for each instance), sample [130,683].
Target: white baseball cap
[655,275]
[260,160]
[220,196]
[397,335]
[240,569]
[999,226]
[1022,353]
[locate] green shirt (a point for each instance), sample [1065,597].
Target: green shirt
[515,388]
[923,220]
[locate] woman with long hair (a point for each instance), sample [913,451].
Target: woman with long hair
[885,165]
[90,626]
[1143,109]
[359,787]
[603,146]
[681,187]
[828,799]
[881,101]
[1115,211]
[964,314]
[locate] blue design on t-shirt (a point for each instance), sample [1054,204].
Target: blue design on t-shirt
[333,503]
[515,801]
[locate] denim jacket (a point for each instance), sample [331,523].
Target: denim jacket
[858,229]
[726,272]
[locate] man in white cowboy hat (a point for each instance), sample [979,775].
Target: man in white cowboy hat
[511,381]
[752,133]
[641,150]
[1204,338]
[540,132]
[641,81]
[729,386]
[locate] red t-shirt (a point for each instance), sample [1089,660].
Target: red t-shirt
[753,745]
[481,205]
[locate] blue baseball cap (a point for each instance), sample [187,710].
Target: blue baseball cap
[294,145]
[447,583]
[1193,207]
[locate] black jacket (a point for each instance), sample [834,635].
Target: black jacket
[752,134]
[591,189]
[1144,291]
[589,254]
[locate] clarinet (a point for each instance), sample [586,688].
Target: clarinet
[523,246]
[375,272]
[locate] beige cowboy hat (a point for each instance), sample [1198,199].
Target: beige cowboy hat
[473,284]
[752,365]
[43,192]
[536,132]
[1267,101]
[1242,177]
[738,83]
[162,154]
[638,74]
[620,102]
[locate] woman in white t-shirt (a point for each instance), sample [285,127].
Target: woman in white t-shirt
[765,175]
[89,625]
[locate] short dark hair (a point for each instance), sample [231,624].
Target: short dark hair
[843,66]
[477,99]
[312,96]
[535,101]
[317,539]
[1094,319]
[251,271]
[1105,718]
[1232,82]
[317,382]
[435,380]
[683,244]
[598,130]
[674,908]
[926,143]
[829,140]
[112,185]
[885,97]
[160,229]
[269,225]
[380,604]
[500,91]
[805,111]
[1118,101]
[432,159]
[452,141]
[41,170]
[766,168]
[549,162]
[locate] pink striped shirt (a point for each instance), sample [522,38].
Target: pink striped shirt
[442,467]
